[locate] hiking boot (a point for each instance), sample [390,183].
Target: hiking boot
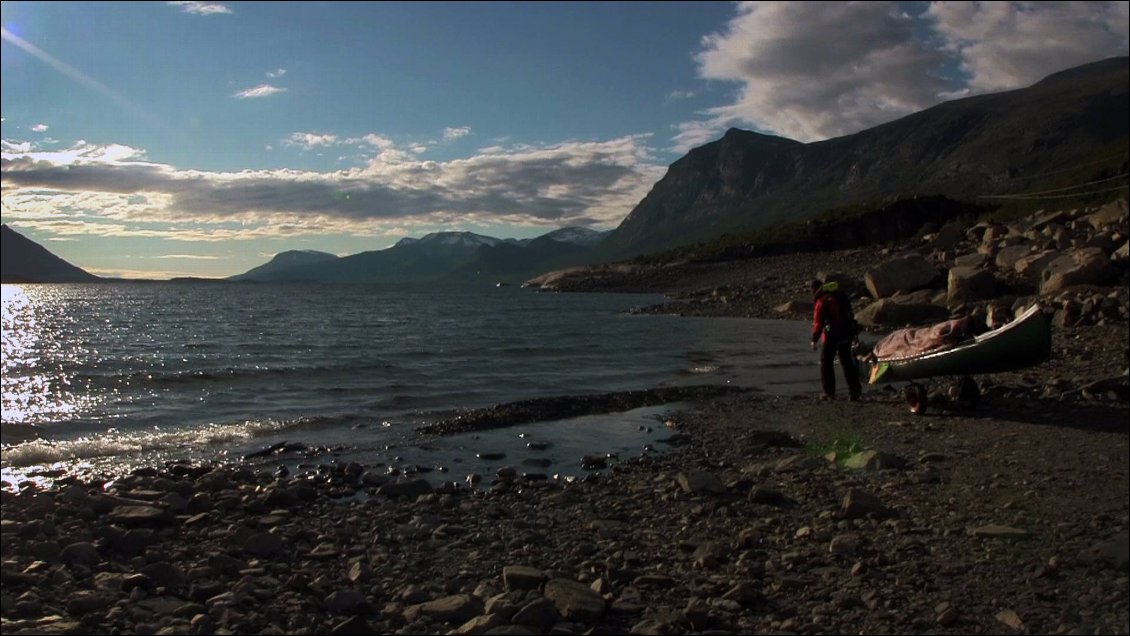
[827,398]
[855,397]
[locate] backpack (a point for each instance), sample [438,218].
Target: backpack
[848,328]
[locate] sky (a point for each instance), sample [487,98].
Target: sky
[166,139]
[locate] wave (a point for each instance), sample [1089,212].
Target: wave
[225,376]
[113,443]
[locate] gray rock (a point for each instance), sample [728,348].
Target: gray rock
[999,532]
[1115,553]
[701,483]
[165,574]
[1110,215]
[905,273]
[541,613]
[140,515]
[574,600]
[353,625]
[973,259]
[81,553]
[344,601]
[262,544]
[875,460]
[858,504]
[1030,267]
[480,624]
[1007,257]
[458,608]
[889,313]
[966,284]
[1088,266]
[520,577]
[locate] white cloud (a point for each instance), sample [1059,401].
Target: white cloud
[374,140]
[16,147]
[201,8]
[262,90]
[39,128]
[78,154]
[190,257]
[456,132]
[573,183]
[674,96]
[309,141]
[279,72]
[815,70]
[1004,45]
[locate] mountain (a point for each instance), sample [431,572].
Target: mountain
[283,261]
[453,240]
[22,260]
[440,256]
[967,150]
[580,236]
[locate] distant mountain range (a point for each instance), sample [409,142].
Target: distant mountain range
[455,257]
[1066,132]
[22,260]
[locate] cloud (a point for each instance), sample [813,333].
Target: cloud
[201,8]
[279,72]
[262,90]
[39,128]
[455,133]
[675,96]
[1004,45]
[572,183]
[794,79]
[191,257]
[309,141]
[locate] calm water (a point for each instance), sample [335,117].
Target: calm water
[102,378]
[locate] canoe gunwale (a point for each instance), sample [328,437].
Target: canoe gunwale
[1023,329]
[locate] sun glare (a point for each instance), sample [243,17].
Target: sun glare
[30,390]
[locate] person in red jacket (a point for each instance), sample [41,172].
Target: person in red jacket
[834,323]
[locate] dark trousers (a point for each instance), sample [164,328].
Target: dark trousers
[847,362]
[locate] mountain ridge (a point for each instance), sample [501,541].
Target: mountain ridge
[963,149]
[22,260]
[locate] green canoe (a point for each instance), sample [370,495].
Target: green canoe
[1024,342]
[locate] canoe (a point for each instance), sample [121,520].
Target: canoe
[1024,342]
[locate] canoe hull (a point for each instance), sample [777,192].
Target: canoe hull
[1021,343]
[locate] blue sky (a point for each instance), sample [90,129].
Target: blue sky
[160,139]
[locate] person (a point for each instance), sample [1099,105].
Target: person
[834,322]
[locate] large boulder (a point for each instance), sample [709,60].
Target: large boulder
[905,273]
[1032,265]
[1111,214]
[888,313]
[1007,257]
[947,238]
[972,259]
[967,284]
[1087,266]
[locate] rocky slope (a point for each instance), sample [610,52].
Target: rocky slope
[997,144]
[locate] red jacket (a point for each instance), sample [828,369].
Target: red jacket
[829,319]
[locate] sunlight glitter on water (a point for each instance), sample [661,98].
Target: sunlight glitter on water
[32,392]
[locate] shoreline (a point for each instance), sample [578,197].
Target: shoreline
[772,514]
[963,523]
[1013,517]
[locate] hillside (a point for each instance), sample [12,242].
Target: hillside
[1069,129]
[22,260]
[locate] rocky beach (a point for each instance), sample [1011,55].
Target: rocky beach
[763,514]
